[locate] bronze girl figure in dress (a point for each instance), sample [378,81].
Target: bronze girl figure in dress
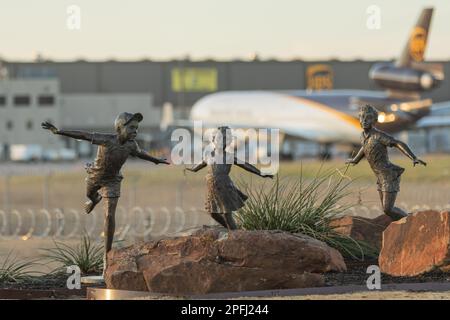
[223,197]
[374,148]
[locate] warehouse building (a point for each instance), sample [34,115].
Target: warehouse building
[88,95]
[184,82]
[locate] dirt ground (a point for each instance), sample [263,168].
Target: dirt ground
[372,295]
[366,295]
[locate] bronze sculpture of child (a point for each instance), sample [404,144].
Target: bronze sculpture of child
[223,197]
[104,176]
[374,148]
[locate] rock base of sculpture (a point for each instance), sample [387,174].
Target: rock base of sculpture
[364,229]
[416,244]
[214,260]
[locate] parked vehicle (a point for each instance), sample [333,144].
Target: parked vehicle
[26,152]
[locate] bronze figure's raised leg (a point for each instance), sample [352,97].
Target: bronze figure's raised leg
[388,206]
[231,225]
[219,218]
[381,197]
[93,196]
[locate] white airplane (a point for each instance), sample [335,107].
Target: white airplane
[331,116]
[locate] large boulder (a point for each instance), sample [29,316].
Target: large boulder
[364,229]
[416,244]
[214,260]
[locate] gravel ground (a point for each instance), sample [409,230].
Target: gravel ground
[356,275]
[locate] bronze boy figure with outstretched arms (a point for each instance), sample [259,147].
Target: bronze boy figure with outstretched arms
[104,176]
[374,149]
[223,197]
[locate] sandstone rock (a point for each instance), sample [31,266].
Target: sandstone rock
[416,244]
[365,229]
[213,260]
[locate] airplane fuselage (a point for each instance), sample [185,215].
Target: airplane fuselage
[325,116]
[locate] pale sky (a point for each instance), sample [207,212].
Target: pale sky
[220,29]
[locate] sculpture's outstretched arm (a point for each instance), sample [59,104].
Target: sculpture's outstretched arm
[75,134]
[403,147]
[357,158]
[145,156]
[79,135]
[250,168]
[197,167]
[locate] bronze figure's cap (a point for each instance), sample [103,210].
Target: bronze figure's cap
[368,109]
[125,117]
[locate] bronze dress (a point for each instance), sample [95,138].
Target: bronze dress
[375,150]
[222,195]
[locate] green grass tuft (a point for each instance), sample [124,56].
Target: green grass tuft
[303,206]
[86,255]
[14,270]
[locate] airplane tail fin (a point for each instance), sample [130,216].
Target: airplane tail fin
[417,42]
[409,76]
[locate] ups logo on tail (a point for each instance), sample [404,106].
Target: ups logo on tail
[319,77]
[417,43]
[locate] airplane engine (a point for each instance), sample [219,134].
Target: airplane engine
[404,79]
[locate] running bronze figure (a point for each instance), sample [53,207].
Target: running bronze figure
[374,147]
[104,176]
[223,197]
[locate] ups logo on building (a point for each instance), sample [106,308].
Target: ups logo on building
[417,43]
[319,77]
